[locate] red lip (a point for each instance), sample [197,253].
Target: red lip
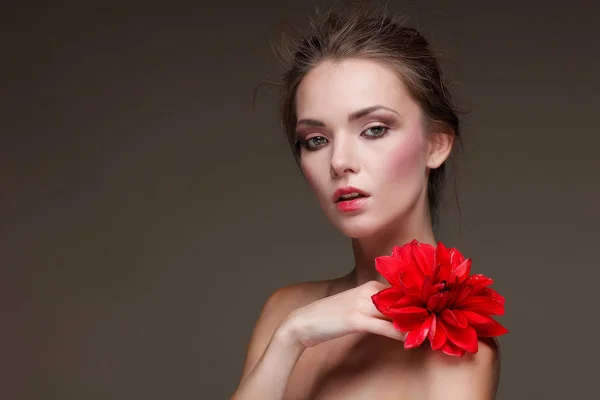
[352,205]
[347,190]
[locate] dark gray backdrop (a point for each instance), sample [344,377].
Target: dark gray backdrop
[147,210]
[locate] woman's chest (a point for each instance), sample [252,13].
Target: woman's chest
[355,368]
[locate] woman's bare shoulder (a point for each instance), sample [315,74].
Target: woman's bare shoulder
[476,374]
[276,308]
[288,298]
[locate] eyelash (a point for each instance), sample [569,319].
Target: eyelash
[307,146]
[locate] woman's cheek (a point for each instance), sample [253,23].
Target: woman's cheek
[312,177]
[309,175]
[406,157]
[306,170]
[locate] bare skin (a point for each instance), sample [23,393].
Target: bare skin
[359,365]
[326,340]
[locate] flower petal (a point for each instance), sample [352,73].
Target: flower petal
[462,293]
[461,271]
[409,255]
[427,290]
[438,338]
[405,318]
[439,287]
[438,301]
[408,301]
[396,250]
[452,350]
[475,318]
[436,273]
[390,268]
[491,293]
[465,338]
[410,282]
[455,318]
[386,298]
[485,326]
[482,305]
[490,330]
[442,262]
[424,256]
[405,323]
[406,253]
[432,328]
[456,258]
[408,310]
[418,334]
[478,281]
[453,284]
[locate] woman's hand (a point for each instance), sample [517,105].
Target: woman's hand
[348,312]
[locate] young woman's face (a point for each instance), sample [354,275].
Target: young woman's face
[362,133]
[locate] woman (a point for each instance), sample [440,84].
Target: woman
[372,126]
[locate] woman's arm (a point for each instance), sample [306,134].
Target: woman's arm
[281,336]
[272,353]
[269,376]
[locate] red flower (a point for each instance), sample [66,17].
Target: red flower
[432,296]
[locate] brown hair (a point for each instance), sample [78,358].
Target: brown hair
[361,33]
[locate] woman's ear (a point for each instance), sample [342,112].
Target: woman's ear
[440,147]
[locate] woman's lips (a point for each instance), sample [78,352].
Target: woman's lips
[351,205]
[347,190]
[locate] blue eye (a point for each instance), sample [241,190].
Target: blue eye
[375,131]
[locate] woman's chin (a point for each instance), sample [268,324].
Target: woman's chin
[358,229]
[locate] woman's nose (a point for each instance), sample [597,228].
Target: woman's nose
[343,158]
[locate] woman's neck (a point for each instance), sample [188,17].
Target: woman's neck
[367,249]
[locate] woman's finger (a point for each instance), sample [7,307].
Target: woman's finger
[380,327]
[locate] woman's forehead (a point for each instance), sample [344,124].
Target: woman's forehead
[348,86]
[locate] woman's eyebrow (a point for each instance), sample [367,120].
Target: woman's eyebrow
[310,122]
[352,117]
[368,110]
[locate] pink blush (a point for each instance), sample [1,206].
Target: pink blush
[406,156]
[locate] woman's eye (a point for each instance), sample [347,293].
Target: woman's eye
[314,142]
[375,131]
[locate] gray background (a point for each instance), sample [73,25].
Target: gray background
[147,210]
